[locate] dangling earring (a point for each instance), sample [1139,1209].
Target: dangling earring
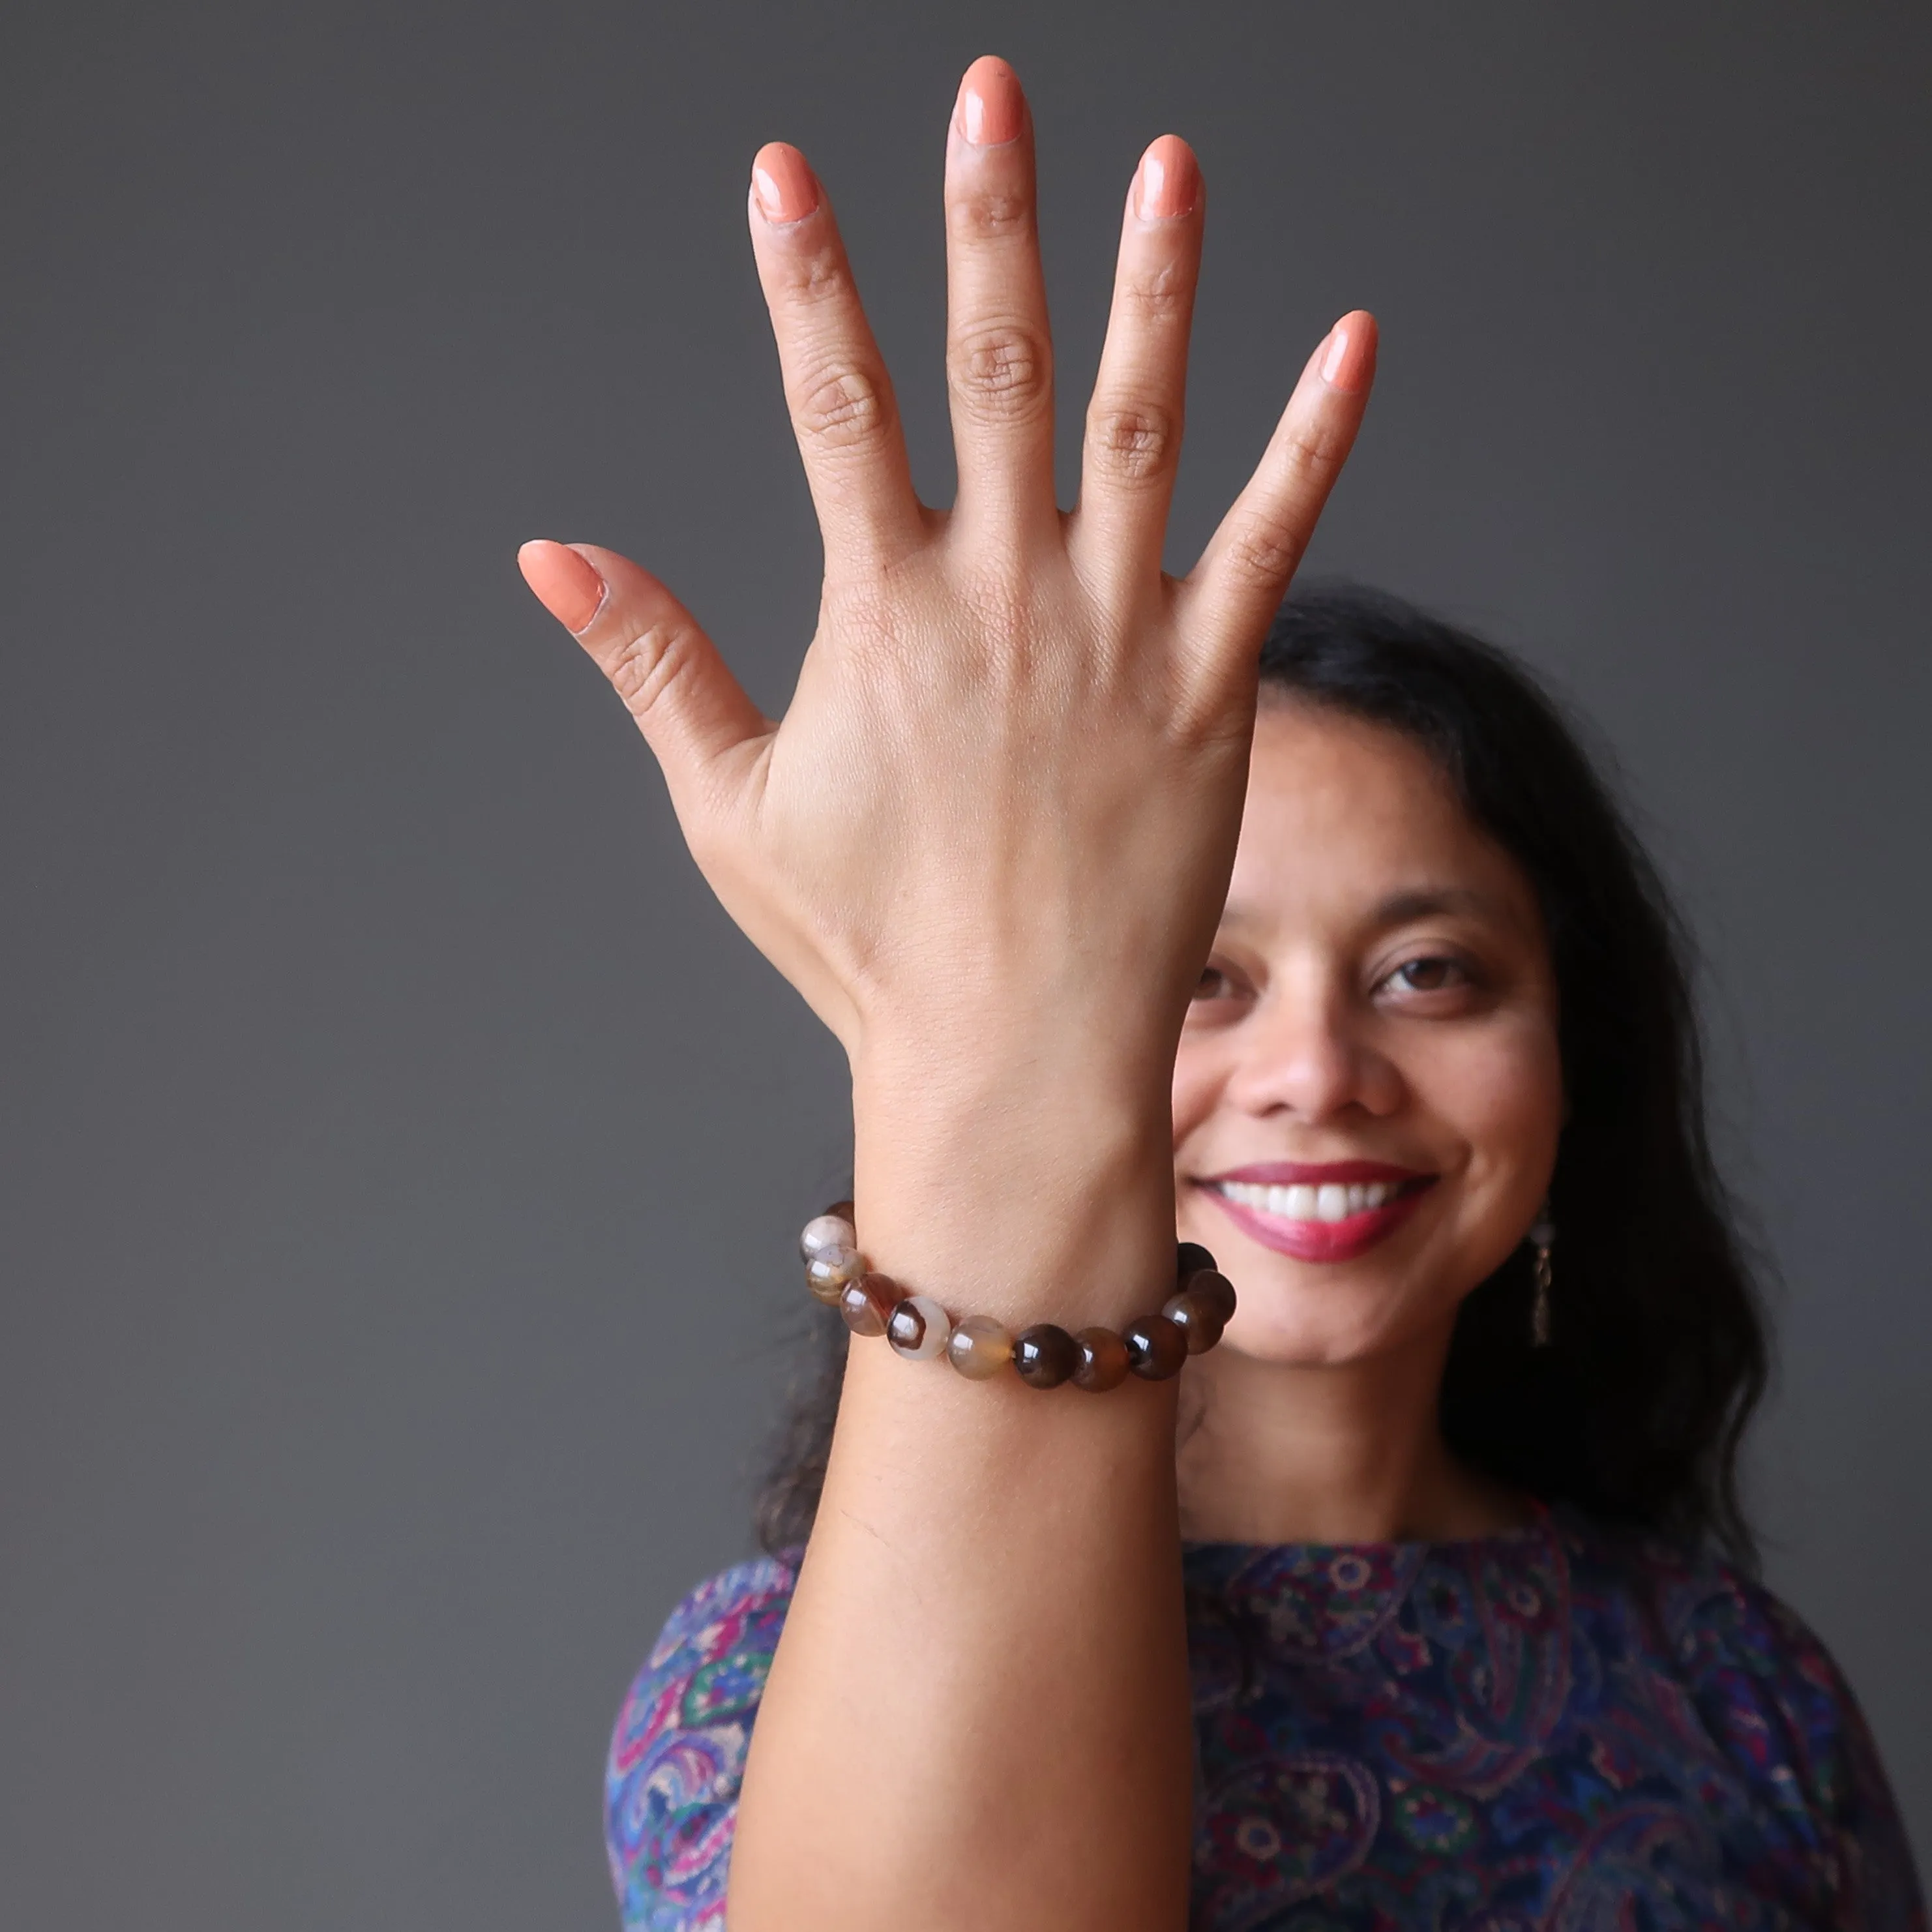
[1543,1238]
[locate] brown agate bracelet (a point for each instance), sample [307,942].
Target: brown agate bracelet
[918,1327]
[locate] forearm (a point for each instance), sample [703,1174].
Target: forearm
[978,1714]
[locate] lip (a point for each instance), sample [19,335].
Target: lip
[1320,1240]
[1341,1173]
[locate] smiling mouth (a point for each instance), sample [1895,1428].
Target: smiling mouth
[1330,1214]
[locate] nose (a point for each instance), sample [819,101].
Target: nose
[1306,1052]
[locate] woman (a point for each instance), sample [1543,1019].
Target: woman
[1380,1614]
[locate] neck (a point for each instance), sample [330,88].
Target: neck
[1351,1453]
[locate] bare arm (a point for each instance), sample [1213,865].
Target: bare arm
[989,842]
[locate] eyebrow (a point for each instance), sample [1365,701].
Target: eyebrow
[1403,907]
[1427,901]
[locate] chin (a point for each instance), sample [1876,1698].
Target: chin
[1284,1332]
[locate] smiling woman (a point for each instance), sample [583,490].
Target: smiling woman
[1150,911]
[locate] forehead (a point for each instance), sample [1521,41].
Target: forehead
[1344,816]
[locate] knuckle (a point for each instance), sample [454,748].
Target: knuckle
[1130,442]
[843,409]
[645,668]
[1002,371]
[1264,550]
[1314,447]
[819,275]
[1158,296]
[989,214]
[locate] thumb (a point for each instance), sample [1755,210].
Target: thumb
[693,712]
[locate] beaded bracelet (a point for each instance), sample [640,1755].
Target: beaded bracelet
[916,1326]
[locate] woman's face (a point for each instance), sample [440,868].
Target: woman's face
[1367,1096]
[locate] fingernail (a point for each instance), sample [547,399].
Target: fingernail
[990,109]
[567,584]
[1349,359]
[786,189]
[1169,183]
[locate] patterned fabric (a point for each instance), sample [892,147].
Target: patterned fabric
[1555,1728]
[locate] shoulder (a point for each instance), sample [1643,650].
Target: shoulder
[671,1787]
[1761,1685]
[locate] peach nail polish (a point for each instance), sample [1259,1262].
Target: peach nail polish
[990,104]
[1168,184]
[1349,360]
[786,188]
[565,583]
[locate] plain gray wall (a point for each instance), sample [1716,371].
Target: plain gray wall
[402,1152]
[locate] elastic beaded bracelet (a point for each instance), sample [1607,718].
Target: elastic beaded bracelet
[1043,1357]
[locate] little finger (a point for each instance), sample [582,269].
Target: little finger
[1233,592]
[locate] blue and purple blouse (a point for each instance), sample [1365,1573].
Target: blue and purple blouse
[1558,1727]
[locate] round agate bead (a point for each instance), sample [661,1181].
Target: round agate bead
[1155,1348]
[979,1347]
[824,1232]
[867,1303]
[1197,1317]
[919,1328]
[1190,1257]
[1214,1292]
[1100,1361]
[828,1273]
[1044,1356]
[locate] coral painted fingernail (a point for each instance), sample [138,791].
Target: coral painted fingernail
[991,106]
[1349,360]
[1168,184]
[566,583]
[786,188]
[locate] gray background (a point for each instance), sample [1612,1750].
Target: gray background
[401,1151]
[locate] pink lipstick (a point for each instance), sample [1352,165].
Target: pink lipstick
[1318,1211]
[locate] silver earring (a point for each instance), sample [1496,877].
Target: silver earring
[1543,1238]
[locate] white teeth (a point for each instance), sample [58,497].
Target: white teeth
[1330,1202]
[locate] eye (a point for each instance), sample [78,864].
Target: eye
[1433,973]
[1214,984]
[1220,984]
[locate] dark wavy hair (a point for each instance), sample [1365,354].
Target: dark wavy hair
[1658,1353]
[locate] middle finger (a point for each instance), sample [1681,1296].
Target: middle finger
[999,351]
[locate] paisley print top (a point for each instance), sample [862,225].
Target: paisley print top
[1556,1727]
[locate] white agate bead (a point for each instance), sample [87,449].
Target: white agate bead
[919,1329]
[824,1232]
[832,1270]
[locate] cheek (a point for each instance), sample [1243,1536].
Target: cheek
[1197,1080]
[1502,1097]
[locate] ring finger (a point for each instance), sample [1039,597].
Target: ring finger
[1134,421]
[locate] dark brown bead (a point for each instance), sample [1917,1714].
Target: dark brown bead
[1197,1318]
[1190,1258]
[1099,1360]
[1214,1291]
[845,1211]
[867,1303]
[1155,1348]
[1044,1355]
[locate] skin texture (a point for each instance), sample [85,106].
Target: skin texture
[989,842]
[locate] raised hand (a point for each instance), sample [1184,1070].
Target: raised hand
[988,841]
[1011,776]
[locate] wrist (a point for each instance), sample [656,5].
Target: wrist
[1029,1189]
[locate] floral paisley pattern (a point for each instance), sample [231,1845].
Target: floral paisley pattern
[1556,1728]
